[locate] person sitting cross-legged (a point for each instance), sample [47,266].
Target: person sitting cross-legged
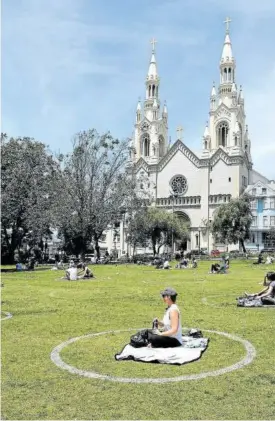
[170,333]
[166,264]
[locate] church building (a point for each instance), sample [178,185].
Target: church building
[192,186]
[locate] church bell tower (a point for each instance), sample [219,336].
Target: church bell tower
[151,127]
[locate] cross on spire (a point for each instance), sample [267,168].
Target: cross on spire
[179,132]
[153,42]
[227,22]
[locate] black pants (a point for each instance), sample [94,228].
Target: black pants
[215,268]
[158,341]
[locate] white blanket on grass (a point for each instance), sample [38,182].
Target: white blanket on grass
[191,350]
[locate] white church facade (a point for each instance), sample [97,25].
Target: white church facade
[190,185]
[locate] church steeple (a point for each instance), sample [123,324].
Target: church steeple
[151,128]
[152,79]
[227,64]
[227,114]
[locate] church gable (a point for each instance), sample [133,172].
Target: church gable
[223,112]
[142,165]
[179,146]
[260,185]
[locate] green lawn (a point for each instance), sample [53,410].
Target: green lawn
[47,311]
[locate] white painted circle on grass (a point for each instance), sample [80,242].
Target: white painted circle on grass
[8,315]
[57,360]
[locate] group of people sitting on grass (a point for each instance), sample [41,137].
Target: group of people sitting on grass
[29,265]
[220,268]
[184,263]
[80,271]
[269,260]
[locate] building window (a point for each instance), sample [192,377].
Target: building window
[272,203]
[145,140]
[253,204]
[178,185]
[210,180]
[272,221]
[197,240]
[265,204]
[161,146]
[265,221]
[252,238]
[254,191]
[229,179]
[263,191]
[224,198]
[222,133]
[254,221]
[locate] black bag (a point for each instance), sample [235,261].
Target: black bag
[195,333]
[139,339]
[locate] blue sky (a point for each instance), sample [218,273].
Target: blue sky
[69,65]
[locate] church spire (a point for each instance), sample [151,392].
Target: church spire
[227,63]
[152,80]
[152,71]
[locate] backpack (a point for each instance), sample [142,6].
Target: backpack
[139,339]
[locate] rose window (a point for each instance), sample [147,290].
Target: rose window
[179,184]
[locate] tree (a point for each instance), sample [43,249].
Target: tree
[270,237]
[98,192]
[232,221]
[31,180]
[156,225]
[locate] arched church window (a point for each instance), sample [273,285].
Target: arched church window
[225,75]
[161,146]
[229,75]
[178,185]
[145,141]
[236,141]
[153,90]
[205,144]
[222,133]
[149,90]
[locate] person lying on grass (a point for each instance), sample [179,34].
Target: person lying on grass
[267,295]
[168,332]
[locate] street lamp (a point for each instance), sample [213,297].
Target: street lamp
[173,195]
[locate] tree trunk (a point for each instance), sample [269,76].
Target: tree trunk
[154,248]
[243,246]
[97,248]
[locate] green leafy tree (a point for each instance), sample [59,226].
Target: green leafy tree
[232,222]
[31,181]
[157,226]
[98,189]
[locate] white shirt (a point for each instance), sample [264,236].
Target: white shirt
[167,322]
[72,274]
[166,264]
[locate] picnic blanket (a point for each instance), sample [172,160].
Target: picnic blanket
[252,302]
[191,350]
